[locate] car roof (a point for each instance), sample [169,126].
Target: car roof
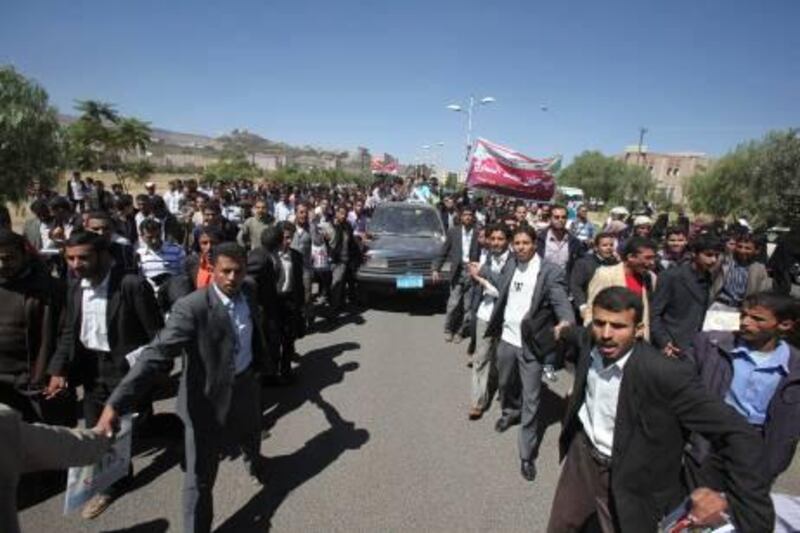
[404,205]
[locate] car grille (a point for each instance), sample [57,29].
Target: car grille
[402,266]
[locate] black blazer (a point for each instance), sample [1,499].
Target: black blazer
[549,306]
[199,328]
[679,307]
[662,400]
[452,251]
[132,315]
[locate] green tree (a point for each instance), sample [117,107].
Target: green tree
[608,179]
[30,140]
[756,179]
[102,138]
[234,167]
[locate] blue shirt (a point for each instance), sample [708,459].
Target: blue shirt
[756,375]
[239,313]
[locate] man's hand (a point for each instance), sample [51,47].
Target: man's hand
[708,507]
[435,276]
[474,269]
[560,328]
[55,386]
[670,350]
[108,423]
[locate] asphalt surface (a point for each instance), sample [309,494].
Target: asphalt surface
[373,437]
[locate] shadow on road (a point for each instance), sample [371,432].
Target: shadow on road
[551,411]
[158,525]
[411,303]
[317,370]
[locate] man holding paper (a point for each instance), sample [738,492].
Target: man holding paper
[218,330]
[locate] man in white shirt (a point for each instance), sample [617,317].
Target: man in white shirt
[533,307]
[626,428]
[173,198]
[284,208]
[158,260]
[487,280]
[109,314]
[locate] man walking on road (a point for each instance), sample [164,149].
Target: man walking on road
[219,399]
[460,247]
[533,307]
[626,427]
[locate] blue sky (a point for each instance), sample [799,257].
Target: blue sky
[701,75]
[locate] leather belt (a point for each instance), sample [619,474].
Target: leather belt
[599,457]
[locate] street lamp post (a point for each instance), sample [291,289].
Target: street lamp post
[469,110]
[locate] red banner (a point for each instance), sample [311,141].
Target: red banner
[504,171]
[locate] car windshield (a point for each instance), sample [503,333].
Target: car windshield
[406,221]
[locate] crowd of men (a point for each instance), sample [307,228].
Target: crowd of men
[104,290]
[703,331]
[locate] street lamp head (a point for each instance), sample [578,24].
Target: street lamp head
[488,100]
[440,143]
[454,107]
[426,146]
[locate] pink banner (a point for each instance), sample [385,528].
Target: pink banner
[504,171]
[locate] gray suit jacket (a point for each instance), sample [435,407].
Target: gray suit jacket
[200,328]
[549,305]
[32,447]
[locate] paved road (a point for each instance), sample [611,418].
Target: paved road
[373,438]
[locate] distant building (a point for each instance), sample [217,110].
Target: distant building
[670,170]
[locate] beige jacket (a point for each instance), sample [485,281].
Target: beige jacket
[614,276]
[30,447]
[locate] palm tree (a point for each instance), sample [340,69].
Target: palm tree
[133,134]
[97,111]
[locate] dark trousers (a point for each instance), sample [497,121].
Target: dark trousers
[286,329]
[100,374]
[205,447]
[33,407]
[582,490]
[342,285]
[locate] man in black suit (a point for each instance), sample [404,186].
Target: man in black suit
[277,270]
[626,426]
[217,331]
[585,267]
[459,249]
[533,306]
[109,313]
[682,297]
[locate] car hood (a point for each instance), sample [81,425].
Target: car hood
[404,246]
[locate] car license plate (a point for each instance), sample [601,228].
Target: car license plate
[410,282]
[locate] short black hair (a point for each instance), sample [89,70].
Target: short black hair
[497,226]
[528,230]
[783,306]
[636,244]
[285,226]
[603,235]
[746,236]
[706,242]
[10,239]
[619,299]
[272,237]
[675,230]
[228,249]
[99,215]
[82,238]
[150,224]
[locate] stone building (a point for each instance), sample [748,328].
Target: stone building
[671,170]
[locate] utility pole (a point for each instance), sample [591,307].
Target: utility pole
[642,131]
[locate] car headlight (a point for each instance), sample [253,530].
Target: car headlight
[446,266]
[377,262]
